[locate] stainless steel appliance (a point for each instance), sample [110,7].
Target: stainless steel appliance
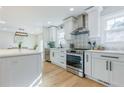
[75,62]
[82,21]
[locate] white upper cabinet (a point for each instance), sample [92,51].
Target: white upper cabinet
[45,37]
[49,34]
[52,33]
[94,21]
[69,26]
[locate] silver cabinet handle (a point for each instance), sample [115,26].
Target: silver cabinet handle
[110,66]
[109,56]
[87,57]
[106,65]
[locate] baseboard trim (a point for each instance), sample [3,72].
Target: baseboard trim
[90,77]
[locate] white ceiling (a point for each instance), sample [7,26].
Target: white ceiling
[32,18]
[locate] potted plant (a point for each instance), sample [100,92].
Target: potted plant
[20,45]
[51,44]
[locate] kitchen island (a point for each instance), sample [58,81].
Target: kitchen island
[20,67]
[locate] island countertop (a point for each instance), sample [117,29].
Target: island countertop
[20,68]
[17,52]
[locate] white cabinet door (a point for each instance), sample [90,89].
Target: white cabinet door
[100,69]
[56,58]
[117,73]
[53,34]
[69,26]
[52,55]
[88,63]
[46,37]
[67,30]
[94,22]
[60,58]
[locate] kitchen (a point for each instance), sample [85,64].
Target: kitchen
[89,46]
[72,46]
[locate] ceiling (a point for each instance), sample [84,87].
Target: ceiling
[33,18]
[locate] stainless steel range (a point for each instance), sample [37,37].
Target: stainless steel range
[75,62]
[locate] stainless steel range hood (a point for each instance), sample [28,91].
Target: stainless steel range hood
[82,21]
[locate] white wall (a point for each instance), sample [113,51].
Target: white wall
[46,37]
[29,41]
[39,42]
[7,40]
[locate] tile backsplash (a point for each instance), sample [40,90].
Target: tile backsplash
[114,46]
[80,41]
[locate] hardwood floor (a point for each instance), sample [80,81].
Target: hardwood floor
[54,76]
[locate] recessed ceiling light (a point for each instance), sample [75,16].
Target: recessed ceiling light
[49,22]
[71,9]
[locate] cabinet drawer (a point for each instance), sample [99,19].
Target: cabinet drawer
[115,57]
[62,51]
[62,62]
[63,55]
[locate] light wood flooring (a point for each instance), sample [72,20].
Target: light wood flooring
[54,76]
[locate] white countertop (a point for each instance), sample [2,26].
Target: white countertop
[108,51]
[16,52]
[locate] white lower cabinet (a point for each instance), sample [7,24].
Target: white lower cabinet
[117,73]
[58,57]
[52,54]
[108,68]
[100,69]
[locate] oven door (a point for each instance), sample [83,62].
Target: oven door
[75,61]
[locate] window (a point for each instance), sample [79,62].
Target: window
[115,23]
[114,29]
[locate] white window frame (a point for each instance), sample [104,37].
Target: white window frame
[103,26]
